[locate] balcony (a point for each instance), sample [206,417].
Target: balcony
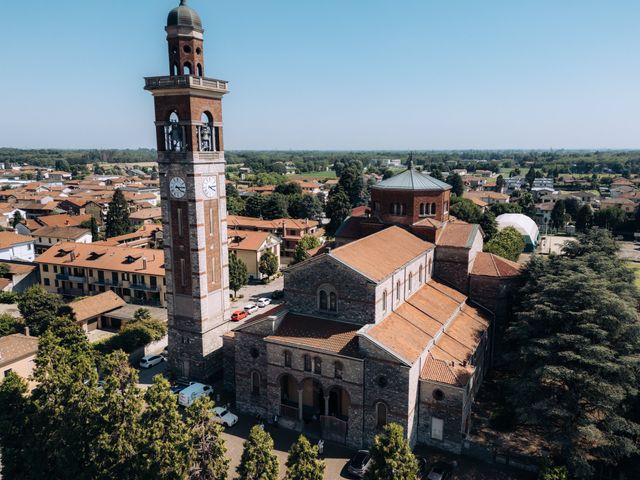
[70,278]
[71,292]
[186,81]
[107,282]
[144,287]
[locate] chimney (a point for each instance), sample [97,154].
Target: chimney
[27,332]
[144,263]
[73,255]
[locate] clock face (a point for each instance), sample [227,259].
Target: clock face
[178,187]
[210,186]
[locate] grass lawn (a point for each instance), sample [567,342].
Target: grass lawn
[636,268]
[315,175]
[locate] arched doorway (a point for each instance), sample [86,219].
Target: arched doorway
[288,397]
[335,422]
[339,403]
[312,400]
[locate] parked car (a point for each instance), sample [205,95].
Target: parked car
[177,388]
[193,392]
[263,302]
[359,464]
[251,308]
[439,471]
[238,315]
[149,361]
[224,416]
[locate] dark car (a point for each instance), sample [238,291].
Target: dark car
[439,471]
[359,464]
[177,388]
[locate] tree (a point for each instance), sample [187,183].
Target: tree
[290,188]
[238,276]
[39,308]
[142,331]
[65,401]
[4,270]
[531,176]
[208,459]
[9,324]
[118,222]
[119,429]
[303,462]
[584,218]
[457,185]
[165,450]
[62,165]
[465,210]
[573,349]
[507,243]
[269,264]
[338,208]
[92,225]
[500,208]
[17,219]
[305,206]
[306,243]
[235,206]
[391,456]
[499,183]
[352,182]
[257,461]
[527,204]
[489,225]
[557,215]
[254,206]
[610,218]
[276,206]
[571,206]
[15,433]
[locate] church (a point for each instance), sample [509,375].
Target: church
[395,323]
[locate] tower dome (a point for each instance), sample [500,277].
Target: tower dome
[184,16]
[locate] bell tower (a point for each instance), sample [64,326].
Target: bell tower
[188,111]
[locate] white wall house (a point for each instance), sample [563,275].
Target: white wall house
[14,246]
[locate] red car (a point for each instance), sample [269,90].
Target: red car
[238,315]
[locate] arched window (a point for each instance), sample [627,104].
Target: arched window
[287,358]
[324,302]
[410,281]
[422,209]
[199,70]
[403,209]
[174,134]
[317,365]
[337,370]
[398,290]
[255,383]
[446,207]
[307,363]
[187,69]
[206,133]
[381,414]
[433,209]
[174,70]
[420,272]
[430,270]
[333,302]
[384,301]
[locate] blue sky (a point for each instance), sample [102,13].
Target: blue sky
[333,74]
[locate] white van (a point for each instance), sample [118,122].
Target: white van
[194,391]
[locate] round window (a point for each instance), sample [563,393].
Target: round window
[438,395]
[187,49]
[382,381]
[254,353]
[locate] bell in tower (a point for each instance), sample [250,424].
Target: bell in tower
[188,109]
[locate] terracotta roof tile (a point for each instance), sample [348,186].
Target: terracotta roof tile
[96,305]
[458,234]
[99,257]
[318,333]
[247,239]
[146,213]
[441,371]
[8,239]
[379,255]
[65,233]
[15,347]
[63,220]
[490,265]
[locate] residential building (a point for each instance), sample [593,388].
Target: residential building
[8,212]
[145,216]
[21,276]
[45,237]
[490,198]
[18,354]
[80,269]
[249,246]
[14,246]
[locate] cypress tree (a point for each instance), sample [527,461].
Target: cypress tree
[258,462]
[208,460]
[392,456]
[303,462]
[238,276]
[118,222]
[15,438]
[165,439]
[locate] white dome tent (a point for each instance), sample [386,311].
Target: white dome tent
[523,224]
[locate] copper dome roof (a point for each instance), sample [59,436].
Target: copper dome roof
[184,16]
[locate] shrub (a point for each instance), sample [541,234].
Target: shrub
[8,297]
